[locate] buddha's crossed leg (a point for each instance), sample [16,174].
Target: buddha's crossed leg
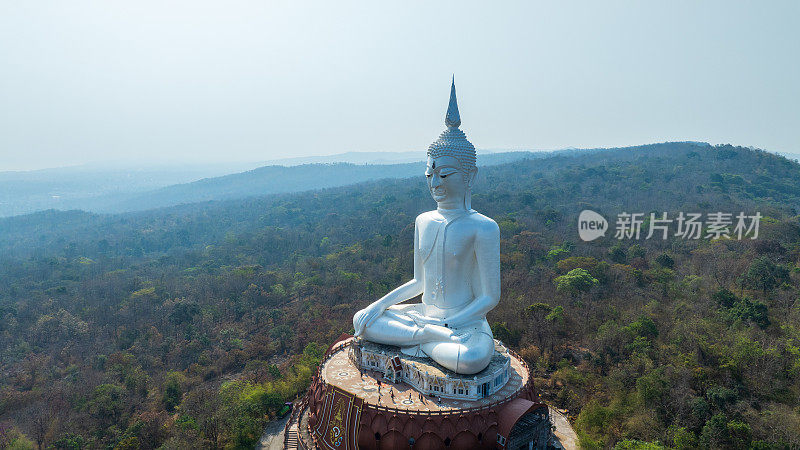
[467,349]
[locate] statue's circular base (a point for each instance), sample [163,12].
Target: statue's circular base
[497,380]
[350,408]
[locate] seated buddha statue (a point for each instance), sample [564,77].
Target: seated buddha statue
[456,268]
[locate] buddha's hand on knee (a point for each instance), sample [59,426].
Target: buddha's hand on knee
[364,318]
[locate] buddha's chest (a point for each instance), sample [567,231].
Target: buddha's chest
[445,244]
[448,261]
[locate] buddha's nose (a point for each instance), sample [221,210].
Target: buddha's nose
[436,181]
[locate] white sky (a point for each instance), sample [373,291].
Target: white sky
[200,81]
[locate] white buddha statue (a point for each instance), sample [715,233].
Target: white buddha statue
[456,268]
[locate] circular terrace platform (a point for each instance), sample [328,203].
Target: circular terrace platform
[346,411]
[340,371]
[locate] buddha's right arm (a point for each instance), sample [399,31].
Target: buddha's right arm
[367,316]
[406,291]
[413,287]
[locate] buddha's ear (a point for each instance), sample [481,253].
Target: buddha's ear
[473,174]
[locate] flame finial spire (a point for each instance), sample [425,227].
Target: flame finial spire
[453,142]
[452,119]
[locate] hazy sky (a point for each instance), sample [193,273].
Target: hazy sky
[201,81]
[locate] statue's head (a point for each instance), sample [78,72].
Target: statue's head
[451,168]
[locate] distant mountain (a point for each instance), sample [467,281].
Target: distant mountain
[369,157]
[265,180]
[77,187]
[115,189]
[119,187]
[241,201]
[352,157]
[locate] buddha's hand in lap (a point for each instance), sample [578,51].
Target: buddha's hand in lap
[422,320]
[459,337]
[437,333]
[364,318]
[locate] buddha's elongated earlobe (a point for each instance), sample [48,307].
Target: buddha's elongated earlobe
[470,181]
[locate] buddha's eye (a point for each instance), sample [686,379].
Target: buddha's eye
[444,175]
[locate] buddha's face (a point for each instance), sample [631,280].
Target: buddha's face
[447,181]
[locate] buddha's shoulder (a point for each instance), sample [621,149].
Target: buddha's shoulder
[427,217]
[478,220]
[485,224]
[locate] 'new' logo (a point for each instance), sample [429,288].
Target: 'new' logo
[591,225]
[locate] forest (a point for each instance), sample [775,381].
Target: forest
[190,326]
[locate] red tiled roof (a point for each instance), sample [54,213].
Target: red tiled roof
[511,413]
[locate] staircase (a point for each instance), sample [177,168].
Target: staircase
[291,433]
[292,438]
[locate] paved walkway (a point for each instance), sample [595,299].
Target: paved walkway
[564,433]
[272,439]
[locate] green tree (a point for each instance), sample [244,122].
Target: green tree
[664,260]
[764,275]
[750,311]
[682,438]
[642,327]
[537,311]
[576,281]
[652,388]
[725,298]
[244,408]
[69,441]
[107,403]
[636,251]
[557,315]
[173,390]
[501,331]
[715,432]
[617,254]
